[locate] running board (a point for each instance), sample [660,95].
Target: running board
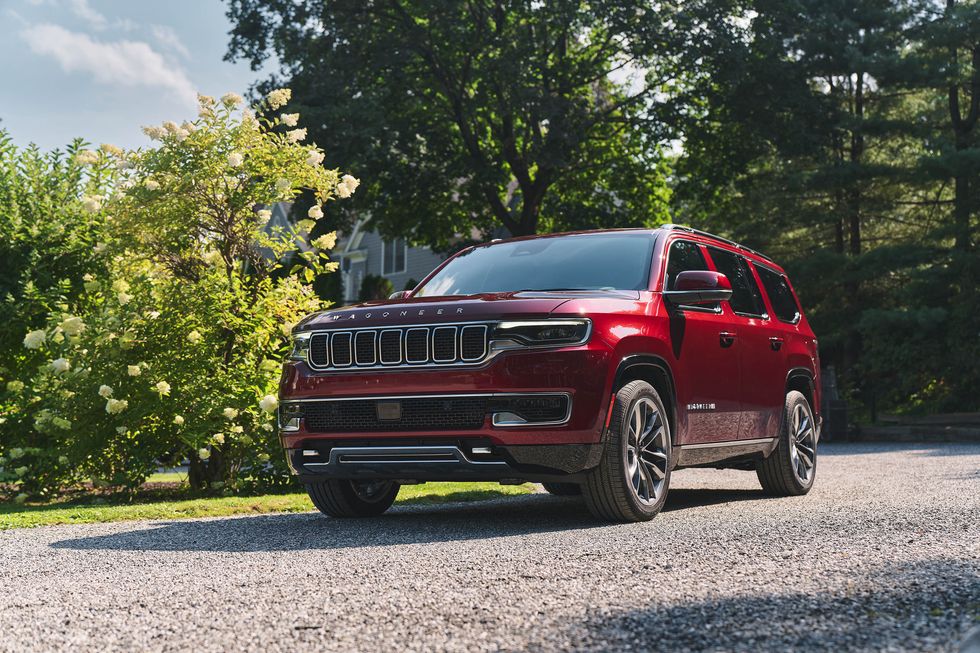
[707,453]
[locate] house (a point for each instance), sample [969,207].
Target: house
[363,252]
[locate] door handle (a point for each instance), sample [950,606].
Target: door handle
[776,343]
[726,339]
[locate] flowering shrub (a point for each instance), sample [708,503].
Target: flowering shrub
[173,350]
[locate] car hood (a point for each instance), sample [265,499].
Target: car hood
[457,308]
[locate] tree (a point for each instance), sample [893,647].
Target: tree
[478,114]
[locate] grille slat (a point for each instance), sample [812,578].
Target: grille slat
[429,345]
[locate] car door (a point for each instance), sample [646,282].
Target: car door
[706,366]
[762,365]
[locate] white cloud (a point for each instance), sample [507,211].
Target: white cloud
[120,63]
[86,12]
[168,38]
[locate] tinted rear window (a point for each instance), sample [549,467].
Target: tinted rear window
[782,299]
[617,261]
[746,297]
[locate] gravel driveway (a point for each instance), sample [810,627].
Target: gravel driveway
[884,554]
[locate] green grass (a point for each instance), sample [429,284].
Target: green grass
[109,510]
[167,477]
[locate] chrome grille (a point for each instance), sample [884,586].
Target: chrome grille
[410,346]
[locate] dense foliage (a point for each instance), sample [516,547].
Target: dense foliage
[837,135]
[159,338]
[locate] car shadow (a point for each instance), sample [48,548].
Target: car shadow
[406,524]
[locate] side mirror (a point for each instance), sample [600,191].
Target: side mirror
[401,294]
[695,287]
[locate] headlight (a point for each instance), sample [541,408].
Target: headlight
[545,332]
[301,347]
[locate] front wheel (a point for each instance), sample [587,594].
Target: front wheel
[791,468]
[346,498]
[631,481]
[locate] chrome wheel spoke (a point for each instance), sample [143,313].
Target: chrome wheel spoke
[646,451]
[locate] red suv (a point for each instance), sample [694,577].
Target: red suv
[595,363]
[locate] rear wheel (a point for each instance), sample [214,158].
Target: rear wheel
[631,481]
[791,468]
[346,498]
[563,489]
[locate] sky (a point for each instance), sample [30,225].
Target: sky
[100,69]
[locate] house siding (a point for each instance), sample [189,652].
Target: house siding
[419,262]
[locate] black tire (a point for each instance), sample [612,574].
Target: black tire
[563,489]
[610,490]
[345,498]
[792,466]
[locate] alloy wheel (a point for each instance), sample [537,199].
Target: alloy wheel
[646,451]
[803,452]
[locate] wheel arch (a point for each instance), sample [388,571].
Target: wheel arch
[655,371]
[801,380]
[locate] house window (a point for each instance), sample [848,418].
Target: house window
[393,255]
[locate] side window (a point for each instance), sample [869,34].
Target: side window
[683,256]
[746,297]
[783,302]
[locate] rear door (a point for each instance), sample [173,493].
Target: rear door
[705,347]
[762,361]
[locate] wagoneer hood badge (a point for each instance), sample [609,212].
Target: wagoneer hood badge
[435,309]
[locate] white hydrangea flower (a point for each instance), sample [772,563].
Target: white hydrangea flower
[162,388]
[264,215]
[170,126]
[91,203]
[111,149]
[124,298]
[63,460]
[179,420]
[296,135]
[230,413]
[34,339]
[205,100]
[98,248]
[348,184]
[72,326]
[305,225]
[116,406]
[326,241]
[278,97]
[315,212]
[268,427]
[120,285]
[15,387]
[204,453]
[151,184]
[235,159]
[155,133]
[194,337]
[86,157]
[283,185]
[238,428]
[133,370]
[314,158]
[105,391]
[269,403]
[231,100]
[152,314]
[60,365]
[218,438]
[188,127]
[289,119]
[181,135]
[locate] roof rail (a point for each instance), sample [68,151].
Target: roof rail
[727,241]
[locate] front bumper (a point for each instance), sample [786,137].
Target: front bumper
[444,461]
[580,373]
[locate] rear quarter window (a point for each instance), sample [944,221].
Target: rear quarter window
[783,301]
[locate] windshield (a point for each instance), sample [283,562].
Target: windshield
[613,261]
